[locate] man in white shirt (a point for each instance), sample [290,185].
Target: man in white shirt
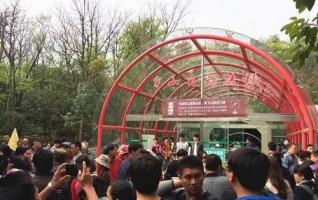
[196,147]
[182,144]
[76,148]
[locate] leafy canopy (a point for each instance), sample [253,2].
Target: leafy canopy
[304,31]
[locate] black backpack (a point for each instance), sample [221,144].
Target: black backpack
[310,190]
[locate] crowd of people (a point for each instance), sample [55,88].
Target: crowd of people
[168,171]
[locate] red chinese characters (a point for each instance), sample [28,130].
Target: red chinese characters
[192,81]
[253,81]
[173,82]
[156,82]
[230,79]
[268,90]
[211,80]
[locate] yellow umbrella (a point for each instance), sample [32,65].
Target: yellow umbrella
[13,142]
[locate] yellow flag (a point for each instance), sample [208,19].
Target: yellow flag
[13,142]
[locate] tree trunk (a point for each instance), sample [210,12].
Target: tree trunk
[11,87]
[80,134]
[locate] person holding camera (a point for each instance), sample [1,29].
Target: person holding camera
[43,162]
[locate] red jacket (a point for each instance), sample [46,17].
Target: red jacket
[114,168]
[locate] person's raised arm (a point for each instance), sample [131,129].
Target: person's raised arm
[86,181]
[168,186]
[57,180]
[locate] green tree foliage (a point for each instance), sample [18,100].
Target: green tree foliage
[304,31]
[54,78]
[150,27]
[306,73]
[21,45]
[138,34]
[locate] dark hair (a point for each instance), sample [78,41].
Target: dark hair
[310,145]
[49,143]
[78,144]
[251,168]
[36,140]
[21,150]
[291,145]
[201,154]
[144,151]
[17,185]
[43,161]
[278,159]
[89,163]
[63,139]
[315,153]
[228,155]
[4,158]
[308,163]
[190,162]
[6,151]
[122,190]
[155,139]
[22,163]
[171,138]
[58,141]
[196,135]
[86,137]
[213,162]
[304,170]
[272,146]
[303,155]
[145,173]
[276,178]
[134,146]
[181,135]
[182,153]
[3,164]
[109,148]
[172,170]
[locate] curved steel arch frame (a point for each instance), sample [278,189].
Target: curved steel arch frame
[302,131]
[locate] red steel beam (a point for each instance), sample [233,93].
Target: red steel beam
[191,90]
[284,73]
[127,88]
[119,128]
[162,62]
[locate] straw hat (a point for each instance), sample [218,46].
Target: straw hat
[60,151]
[103,160]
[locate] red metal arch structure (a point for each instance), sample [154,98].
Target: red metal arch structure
[233,64]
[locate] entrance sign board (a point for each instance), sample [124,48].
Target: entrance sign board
[218,151]
[230,107]
[147,140]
